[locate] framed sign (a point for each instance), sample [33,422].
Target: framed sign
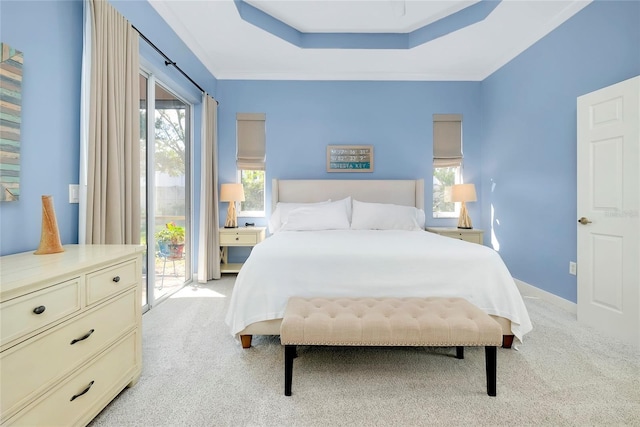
[10,110]
[349,158]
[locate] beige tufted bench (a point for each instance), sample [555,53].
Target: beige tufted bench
[436,322]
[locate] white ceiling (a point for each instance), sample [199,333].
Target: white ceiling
[347,15]
[232,48]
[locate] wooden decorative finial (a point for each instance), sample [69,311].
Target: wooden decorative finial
[50,237]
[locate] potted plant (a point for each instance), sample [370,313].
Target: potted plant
[171,240]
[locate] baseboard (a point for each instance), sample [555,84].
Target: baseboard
[531,291]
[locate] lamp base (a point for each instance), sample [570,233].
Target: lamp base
[465,228]
[464,221]
[232,218]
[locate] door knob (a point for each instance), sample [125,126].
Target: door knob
[584,221]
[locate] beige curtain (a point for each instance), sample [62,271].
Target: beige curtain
[113,162]
[209,241]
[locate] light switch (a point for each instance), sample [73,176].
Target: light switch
[74,190]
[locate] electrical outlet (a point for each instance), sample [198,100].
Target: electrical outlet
[74,191]
[572,268]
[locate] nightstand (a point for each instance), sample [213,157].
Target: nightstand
[473,235]
[241,236]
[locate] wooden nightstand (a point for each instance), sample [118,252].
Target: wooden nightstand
[473,235]
[241,236]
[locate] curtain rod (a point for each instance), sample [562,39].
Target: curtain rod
[168,60]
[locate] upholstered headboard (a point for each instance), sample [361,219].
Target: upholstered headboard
[399,192]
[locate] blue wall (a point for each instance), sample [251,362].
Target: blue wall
[49,33]
[395,117]
[303,117]
[529,138]
[50,36]
[519,125]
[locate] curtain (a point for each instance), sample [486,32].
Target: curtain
[209,241]
[113,143]
[85,100]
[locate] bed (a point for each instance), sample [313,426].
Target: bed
[383,251]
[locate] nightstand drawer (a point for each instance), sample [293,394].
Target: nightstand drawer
[20,316]
[239,239]
[474,238]
[473,235]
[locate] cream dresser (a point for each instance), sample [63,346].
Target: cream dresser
[70,332]
[473,235]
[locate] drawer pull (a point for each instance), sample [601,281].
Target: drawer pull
[87,335]
[237,238]
[75,396]
[116,279]
[39,309]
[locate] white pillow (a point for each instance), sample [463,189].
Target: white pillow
[325,216]
[382,216]
[281,213]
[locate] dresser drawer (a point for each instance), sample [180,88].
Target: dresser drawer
[239,239]
[25,373]
[18,317]
[75,401]
[111,280]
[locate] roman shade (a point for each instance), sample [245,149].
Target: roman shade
[250,153]
[447,140]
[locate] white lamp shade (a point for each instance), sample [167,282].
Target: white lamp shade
[463,193]
[231,193]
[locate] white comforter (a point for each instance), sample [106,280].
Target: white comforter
[365,263]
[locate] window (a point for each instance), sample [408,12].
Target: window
[250,161]
[447,162]
[253,183]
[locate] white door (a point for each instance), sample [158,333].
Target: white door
[608,201]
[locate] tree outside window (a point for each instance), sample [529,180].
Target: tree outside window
[253,183]
[443,179]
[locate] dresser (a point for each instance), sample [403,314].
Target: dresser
[70,332]
[240,236]
[473,235]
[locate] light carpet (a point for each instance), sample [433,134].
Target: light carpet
[196,374]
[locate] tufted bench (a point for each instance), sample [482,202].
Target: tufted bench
[435,322]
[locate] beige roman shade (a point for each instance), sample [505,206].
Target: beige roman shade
[447,140]
[251,151]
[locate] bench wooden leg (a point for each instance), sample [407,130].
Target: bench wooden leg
[289,355]
[490,355]
[459,352]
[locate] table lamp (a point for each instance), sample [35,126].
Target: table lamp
[231,193]
[463,193]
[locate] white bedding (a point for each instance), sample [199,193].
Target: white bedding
[359,263]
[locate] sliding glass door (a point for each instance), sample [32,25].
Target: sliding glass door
[166,194]
[170,170]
